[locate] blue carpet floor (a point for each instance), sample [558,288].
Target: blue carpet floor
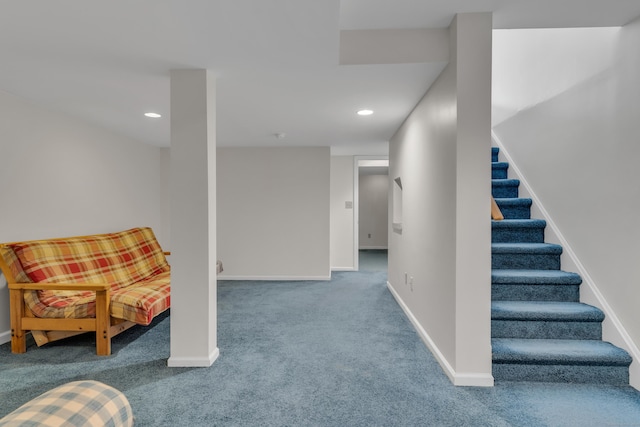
[372,260]
[330,353]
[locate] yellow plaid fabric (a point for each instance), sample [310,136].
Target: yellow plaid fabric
[131,261]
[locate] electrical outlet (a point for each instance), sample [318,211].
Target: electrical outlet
[369,235]
[411,283]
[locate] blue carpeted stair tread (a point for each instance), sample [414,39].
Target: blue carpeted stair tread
[518,230]
[515,207]
[506,182]
[526,248]
[499,170]
[519,223]
[546,311]
[558,352]
[504,188]
[514,201]
[525,255]
[494,154]
[499,165]
[539,277]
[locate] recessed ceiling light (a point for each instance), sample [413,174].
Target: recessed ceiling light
[153,115]
[365,112]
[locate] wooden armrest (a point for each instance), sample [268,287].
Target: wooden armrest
[60,286]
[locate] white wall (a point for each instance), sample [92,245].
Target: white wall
[63,177]
[559,58]
[341,239]
[165,176]
[579,152]
[373,223]
[441,155]
[273,213]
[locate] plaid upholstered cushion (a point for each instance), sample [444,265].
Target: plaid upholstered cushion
[79,403]
[14,265]
[131,261]
[119,259]
[142,301]
[139,302]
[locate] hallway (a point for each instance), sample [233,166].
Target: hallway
[373,259]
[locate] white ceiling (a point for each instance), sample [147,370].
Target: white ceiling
[276,61]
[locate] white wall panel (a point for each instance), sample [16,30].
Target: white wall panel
[373,211]
[273,212]
[439,264]
[342,220]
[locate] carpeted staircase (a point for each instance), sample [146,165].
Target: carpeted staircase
[540,331]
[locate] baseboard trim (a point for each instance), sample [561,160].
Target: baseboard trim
[457,379]
[343,269]
[5,337]
[373,247]
[275,278]
[193,362]
[473,380]
[616,333]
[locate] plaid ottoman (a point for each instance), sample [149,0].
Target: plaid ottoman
[79,403]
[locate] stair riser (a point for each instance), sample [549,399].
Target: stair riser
[517,235]
[527,292]
[535,329]
[499,173]
[585,374]
[510,191]
[525,261]
[515,212]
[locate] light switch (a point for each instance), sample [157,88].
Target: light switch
[348,205]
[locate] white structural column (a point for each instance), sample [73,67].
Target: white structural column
[193,219]
[471,35]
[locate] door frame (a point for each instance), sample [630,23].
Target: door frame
[356,205]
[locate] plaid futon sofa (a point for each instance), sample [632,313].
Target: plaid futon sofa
[75,404]
[104,283]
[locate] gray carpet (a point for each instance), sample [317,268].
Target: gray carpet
[336,353]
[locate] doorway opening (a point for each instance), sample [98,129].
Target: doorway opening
[371,212]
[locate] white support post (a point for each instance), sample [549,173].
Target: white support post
[193,219]
[471,54]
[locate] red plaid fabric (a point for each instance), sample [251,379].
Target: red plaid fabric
[131,261]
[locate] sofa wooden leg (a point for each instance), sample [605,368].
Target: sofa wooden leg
[18,339]
[103,324]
